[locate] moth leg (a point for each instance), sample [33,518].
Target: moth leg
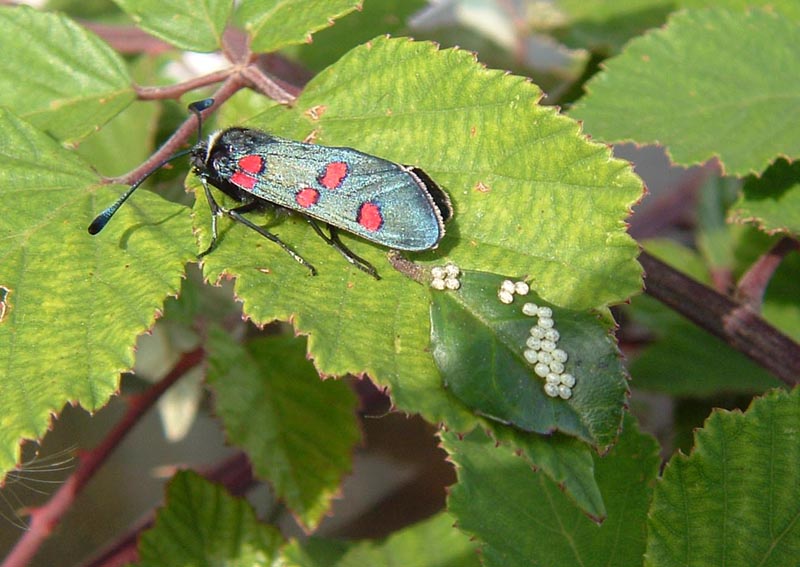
[348,254]
[236,214]
[216,211]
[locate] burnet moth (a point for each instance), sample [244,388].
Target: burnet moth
[396,206]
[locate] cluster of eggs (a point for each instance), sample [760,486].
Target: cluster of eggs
[541,350]
[542,345]
[445,277]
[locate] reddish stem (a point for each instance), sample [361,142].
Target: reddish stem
[178,90]
[736,324]
[752,285]
[269,86]
[232,84]
[128,39]
[45,518]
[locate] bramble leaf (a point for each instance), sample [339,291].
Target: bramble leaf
[772,201]
[435,539]
[375,18]
[195,25]
[298,431]
[607,26]
[733,501]
[57,75]
[125,142]
[274,24]
[201,524]
[567,461]
[74,303]
[522,517]
[786,8]
[711,83]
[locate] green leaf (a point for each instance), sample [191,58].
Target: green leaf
[712,83]
[607,26]
[566,460]
[733,501]
[772,201]
[96,10]
[478,345]
[274,24]
[375,18]
[58,75]
[74,303]
[125,142]
[433,542]
[523,518]
[195,25]
[514,212]
[202,524]
[299,432]
[785,8]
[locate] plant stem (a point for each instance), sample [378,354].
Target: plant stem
[128,39]
[753,284]
[268,86]
[232,84]
[45,518]
[737,324]
[178,90]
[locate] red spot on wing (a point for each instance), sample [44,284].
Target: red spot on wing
[370,217]
[307,197]
[252,163]
[334,174]
[243,180]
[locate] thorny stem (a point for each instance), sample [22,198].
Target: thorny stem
[736,324]
[45,518]
[753,284]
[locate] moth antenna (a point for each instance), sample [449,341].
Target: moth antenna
[197,108]
[102,219]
